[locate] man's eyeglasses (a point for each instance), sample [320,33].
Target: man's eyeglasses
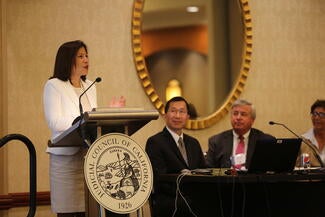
[317,114]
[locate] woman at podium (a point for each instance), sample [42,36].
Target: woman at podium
[61,107]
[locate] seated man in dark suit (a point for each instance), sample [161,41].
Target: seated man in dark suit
[168,155]
[234,147]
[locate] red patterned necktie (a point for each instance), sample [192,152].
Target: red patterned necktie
[241,146]
[240,149]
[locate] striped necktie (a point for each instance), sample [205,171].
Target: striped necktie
[182,149]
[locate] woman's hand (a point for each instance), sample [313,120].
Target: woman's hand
[117,102]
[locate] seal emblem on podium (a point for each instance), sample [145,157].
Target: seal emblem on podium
[118,173]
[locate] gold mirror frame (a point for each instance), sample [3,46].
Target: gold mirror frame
[143,74]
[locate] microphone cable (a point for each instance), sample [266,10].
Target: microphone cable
[244,198]
[220,196]
[178,192]
[267,201]
[233,196]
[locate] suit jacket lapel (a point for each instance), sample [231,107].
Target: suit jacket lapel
[70,92]
[173,146]
[229,139]
[188,147]
[251,145]
[68,89]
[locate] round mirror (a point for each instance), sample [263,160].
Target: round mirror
[174,56]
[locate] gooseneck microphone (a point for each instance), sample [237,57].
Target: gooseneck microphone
[275,123]
[82,128]
[98,79]
[308,143]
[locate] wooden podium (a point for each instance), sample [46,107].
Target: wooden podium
[99,122]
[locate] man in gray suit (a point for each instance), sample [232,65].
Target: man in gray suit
[223,147]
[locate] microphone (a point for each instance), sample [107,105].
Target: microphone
[82,129]
[98,79]
[275,123]
[308,143]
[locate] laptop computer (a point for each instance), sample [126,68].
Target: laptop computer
[275,155]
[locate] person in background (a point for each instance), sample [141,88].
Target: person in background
[234,147]
[314,138]
[61,108]
[172,151]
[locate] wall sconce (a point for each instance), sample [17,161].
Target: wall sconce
[192,9]
[173,89]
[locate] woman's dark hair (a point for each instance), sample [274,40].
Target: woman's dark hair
[176,99]
[192,111]
[66,58]
[317,103]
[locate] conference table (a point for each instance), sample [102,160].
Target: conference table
[300,193]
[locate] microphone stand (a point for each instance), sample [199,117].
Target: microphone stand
[272,123]
[304,140]
[82,128]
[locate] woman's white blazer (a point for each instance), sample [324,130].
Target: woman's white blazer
[61,107]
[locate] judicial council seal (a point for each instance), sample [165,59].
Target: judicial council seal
[118,173]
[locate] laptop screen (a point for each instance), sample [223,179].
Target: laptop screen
[275,155]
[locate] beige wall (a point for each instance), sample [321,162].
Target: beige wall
[286,76]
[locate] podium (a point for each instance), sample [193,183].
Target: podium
[99,122]
[105,120]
